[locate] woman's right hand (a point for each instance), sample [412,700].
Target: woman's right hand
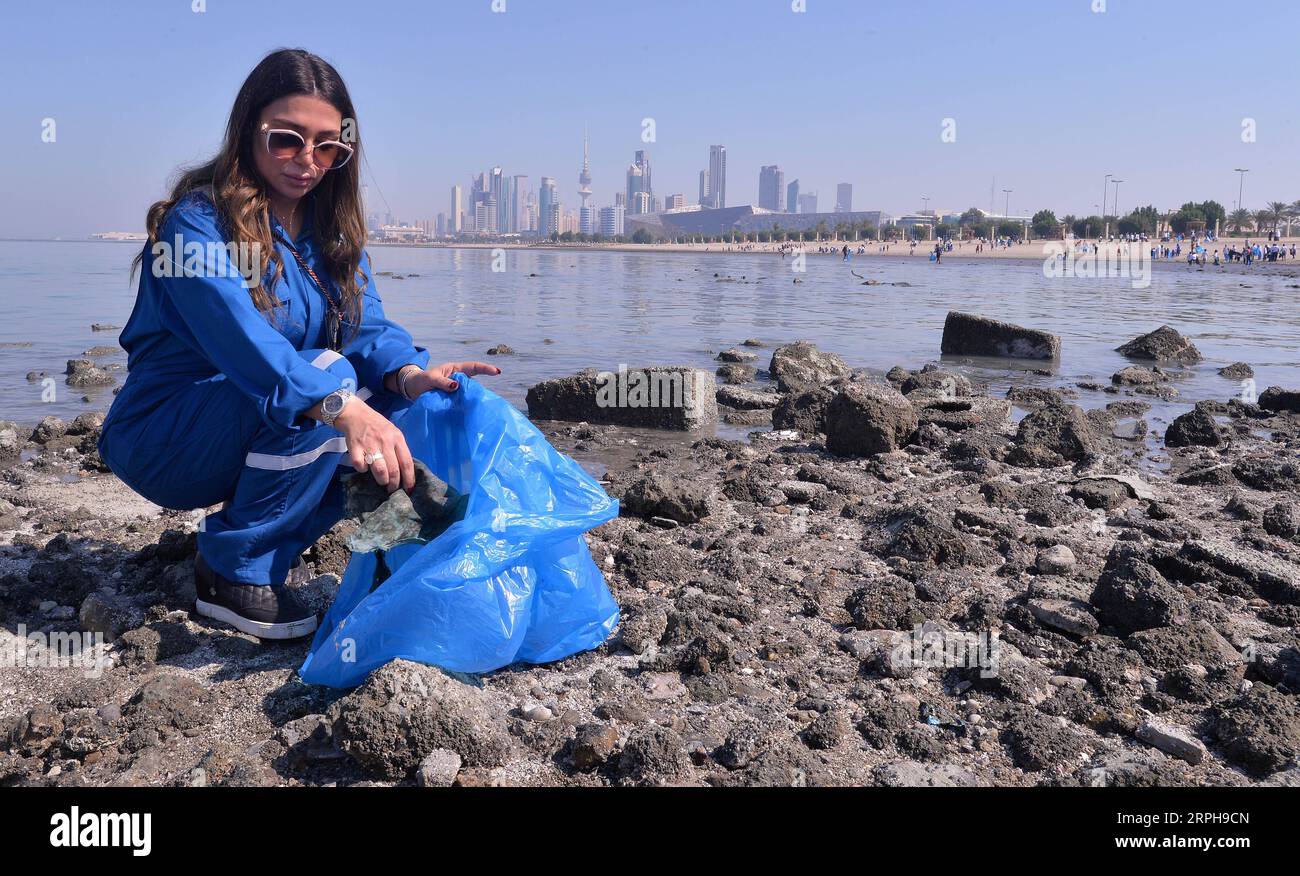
[368,431]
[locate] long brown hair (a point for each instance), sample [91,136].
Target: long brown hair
[240,195]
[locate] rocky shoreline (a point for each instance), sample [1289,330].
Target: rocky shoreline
[897,585]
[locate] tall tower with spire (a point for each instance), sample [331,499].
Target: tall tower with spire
[584,178]
[586,215]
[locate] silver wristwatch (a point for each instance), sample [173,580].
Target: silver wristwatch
[332,405]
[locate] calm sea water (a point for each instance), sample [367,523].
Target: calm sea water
[566,310]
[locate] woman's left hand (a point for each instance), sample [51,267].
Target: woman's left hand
[440,376]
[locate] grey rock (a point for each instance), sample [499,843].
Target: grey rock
[1168,648]
[734,374]
[1270,475]
[734,355]
[959,414]
[943,384]
[643,624]
[654,756]
[1283,520]
[1271,577]
[968,335]
[592,745]
[1237,371]
[1259,730]
[801,366]
[804,412]
[746,399]
[1173,740]
[1196,428]
[1131,595]
[83,372]
[1163,344]
[1275,398]
[1136,375]
[438,769]
[174,701]
[1064,614]
[682,499]
[406,710]
[913,774]
[1052,436]
[48,429]
[869,418]
[662,397]
[1056,560]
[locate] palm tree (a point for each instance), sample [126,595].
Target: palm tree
[1280,210]
[1292,214]
[1262,219]
[1239,219]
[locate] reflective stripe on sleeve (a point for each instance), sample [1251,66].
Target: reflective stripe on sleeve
[326,359]
[271,462]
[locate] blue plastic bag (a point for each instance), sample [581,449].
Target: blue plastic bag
[511,581]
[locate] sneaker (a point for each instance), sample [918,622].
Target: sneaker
[266,611]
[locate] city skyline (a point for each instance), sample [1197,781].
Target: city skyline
[1044,105]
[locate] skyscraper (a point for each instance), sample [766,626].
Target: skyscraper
[584,178]
[504,196]
[717,177]
[643,161]
[457,210]
[808,203]
[638,180]
[674,202]
[519,203]
[771,188]
[844,198]
[704,188]
[611,220]
[548,208]
[635,185]
[792,196]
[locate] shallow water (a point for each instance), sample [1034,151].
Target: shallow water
[567,310]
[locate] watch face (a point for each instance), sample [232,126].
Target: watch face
[333,403]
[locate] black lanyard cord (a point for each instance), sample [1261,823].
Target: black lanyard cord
[335,315]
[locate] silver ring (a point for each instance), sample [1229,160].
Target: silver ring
[372,458]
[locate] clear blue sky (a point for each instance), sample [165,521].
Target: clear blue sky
[1048,96]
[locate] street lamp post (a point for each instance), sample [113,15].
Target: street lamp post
[1116,205]
[1105,193]
[1241,181]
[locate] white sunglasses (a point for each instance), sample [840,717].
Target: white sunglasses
[283,144]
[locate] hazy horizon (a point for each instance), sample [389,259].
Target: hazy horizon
[1044,97]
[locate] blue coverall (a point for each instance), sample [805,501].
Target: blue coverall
[212,407]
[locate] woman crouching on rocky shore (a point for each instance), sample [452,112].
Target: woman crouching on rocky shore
[261,364]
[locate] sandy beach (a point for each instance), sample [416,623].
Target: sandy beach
[1028,252]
